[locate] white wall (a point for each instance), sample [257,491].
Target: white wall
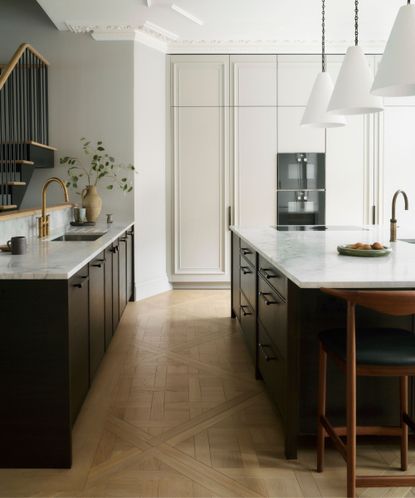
[150,160]
[90,94]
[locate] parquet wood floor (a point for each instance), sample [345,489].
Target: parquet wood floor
[175,412]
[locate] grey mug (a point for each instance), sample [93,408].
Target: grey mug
[17,245]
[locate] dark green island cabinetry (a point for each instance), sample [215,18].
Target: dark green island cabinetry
[54,334]
[279,322]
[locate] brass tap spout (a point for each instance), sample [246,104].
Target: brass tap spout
[44,219]
[393,219]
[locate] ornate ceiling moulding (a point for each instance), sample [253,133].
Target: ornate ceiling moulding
[268,46]
[169,42]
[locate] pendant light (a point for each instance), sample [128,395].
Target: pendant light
[315,114]
[396,73]
[351,94]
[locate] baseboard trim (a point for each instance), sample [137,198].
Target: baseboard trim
[202,285]
[151,288]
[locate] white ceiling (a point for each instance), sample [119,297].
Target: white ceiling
[276,22]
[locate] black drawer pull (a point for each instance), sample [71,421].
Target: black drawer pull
[243,308]
[245,270]
[265,298]
[124,239]
[114,249]
[97,265]
[245,251]
[81,284]
[268,273]
[267,358]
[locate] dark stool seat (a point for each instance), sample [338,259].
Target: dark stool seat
[375,346]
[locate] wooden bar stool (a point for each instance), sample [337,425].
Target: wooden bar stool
[377,352]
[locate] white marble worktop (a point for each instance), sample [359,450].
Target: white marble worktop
[55,260]
[310,259]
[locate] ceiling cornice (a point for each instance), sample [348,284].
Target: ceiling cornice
[144,34]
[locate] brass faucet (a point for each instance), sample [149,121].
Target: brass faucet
[43,221]
[393,219]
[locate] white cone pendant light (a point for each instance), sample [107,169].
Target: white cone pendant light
[315,114]
[351,94]
[396,73]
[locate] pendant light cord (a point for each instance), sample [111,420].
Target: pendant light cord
[323,35]
[356,23]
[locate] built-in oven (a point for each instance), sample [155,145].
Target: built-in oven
[301,192]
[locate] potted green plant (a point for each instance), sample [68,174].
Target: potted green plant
[99,167]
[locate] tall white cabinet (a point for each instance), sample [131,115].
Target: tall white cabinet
[200,176]
[254,138]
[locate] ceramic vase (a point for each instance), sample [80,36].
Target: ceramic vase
[92,202]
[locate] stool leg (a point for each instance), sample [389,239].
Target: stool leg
[322,387]
[351,402]
[404,409]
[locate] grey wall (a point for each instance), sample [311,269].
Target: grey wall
[91,93]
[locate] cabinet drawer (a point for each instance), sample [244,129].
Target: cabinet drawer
[273,276]
[248,282]
[248,326]
[272,313]
[272,368]
[248,253]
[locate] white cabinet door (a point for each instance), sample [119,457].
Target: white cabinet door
[292,137]
[253,80]
[296,75]
[201,184]
[345,173]
[254,160]
[200,80]
[399,162]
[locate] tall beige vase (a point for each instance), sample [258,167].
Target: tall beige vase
[92,202]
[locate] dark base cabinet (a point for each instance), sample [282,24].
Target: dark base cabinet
[96,314]
[286,322]
[35,422]
[49,355]
[78,319]
[109,289]
[115,250]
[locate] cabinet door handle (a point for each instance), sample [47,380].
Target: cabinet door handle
[114,249]
[245,270]
[268,273]
[266,357]
[243,308]
[265,298]
[98,264]
[245,251]
[124,239]
[81,284]
[130,232]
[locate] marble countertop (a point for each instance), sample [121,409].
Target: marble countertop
[310,259]
[55,260]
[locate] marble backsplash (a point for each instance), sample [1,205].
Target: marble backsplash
[27,225]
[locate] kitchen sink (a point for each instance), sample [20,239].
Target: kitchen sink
[410,241]
[79,237]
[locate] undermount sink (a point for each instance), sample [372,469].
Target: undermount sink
[79,237]
[410,241]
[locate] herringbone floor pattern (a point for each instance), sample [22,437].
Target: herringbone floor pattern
[175,412]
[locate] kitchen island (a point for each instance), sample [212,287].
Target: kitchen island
[60,304]
[276,277]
